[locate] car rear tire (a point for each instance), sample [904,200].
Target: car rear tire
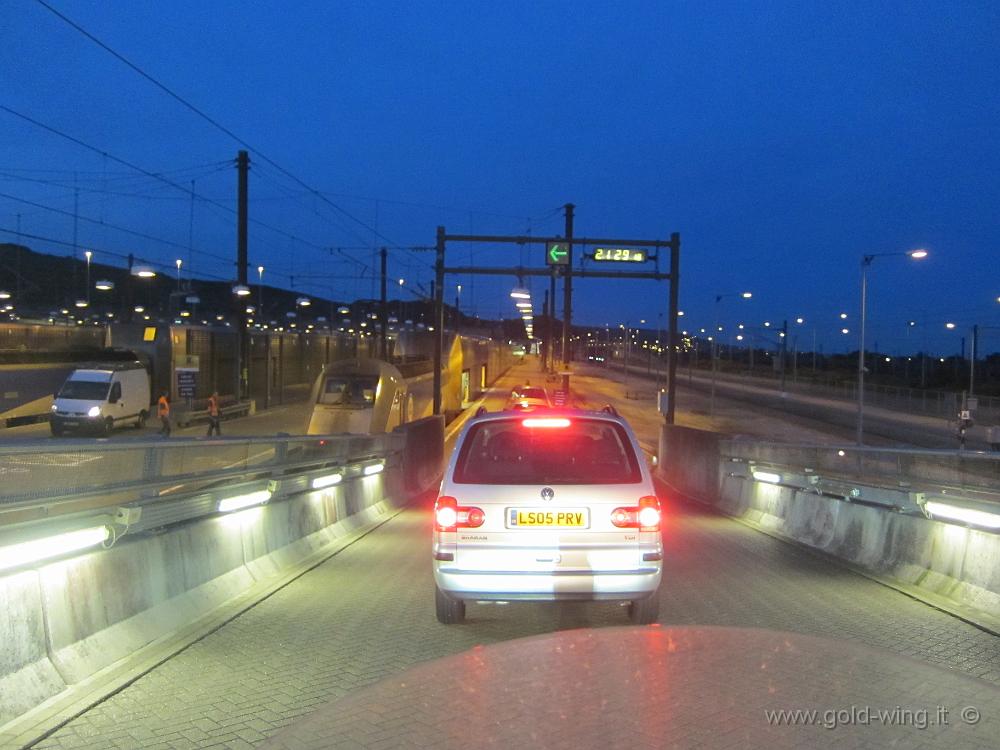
[449,611]
[644,611]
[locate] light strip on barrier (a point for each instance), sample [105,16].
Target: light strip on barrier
[373,469]
[25,553]
[965,515]
[238,502]
[766,476]
[328,480]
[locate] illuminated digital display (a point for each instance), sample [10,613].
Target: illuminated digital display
[626,254]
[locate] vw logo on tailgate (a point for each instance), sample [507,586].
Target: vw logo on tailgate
[548,493]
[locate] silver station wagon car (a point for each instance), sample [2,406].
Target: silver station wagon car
[547,506]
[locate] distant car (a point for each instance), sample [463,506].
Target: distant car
[99,398]
[547,507]
[528,398]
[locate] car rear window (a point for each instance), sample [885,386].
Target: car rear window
[538,393]
[587,451]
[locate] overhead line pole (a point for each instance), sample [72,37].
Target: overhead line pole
[383,308]
[675,273]
[439,272]
[243,354]
[552,322]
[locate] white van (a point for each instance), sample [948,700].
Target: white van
[101,398]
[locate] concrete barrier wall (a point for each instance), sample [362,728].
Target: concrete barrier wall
[423,456]
[63,622]
[689,460]
[950,565]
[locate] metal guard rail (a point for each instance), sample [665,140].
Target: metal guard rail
[898,479]
[138,485]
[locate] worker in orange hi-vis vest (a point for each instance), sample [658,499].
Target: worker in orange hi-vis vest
[214,416]
[163,412]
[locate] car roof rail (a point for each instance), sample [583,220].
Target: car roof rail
[609,409]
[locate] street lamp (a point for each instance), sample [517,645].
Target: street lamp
[715,343]
[866,261]
[260,289]
[88,254]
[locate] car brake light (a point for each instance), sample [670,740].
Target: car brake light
[448,515]
[545,422]
[649,513]
[645,516]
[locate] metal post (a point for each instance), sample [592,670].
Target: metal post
[129,291]
[626,358]
[191,229]
[784,352]
[17,262]
[974,344]
[548,333]
[76,207]
[865,262]
[568,288]
[242,351]
[438,317]
[383,309]
[675,270]
[714,350]
[552,322]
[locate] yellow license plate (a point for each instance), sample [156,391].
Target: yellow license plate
[561,518]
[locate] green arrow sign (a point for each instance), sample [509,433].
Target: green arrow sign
[556,254]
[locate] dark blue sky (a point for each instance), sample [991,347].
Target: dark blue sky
[782,140]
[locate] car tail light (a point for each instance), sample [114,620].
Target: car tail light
[645,516]
[449,515]
[649,513]
[545,422]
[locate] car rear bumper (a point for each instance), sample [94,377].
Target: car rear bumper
[547,586]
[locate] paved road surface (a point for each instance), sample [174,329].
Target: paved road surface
[368,613]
